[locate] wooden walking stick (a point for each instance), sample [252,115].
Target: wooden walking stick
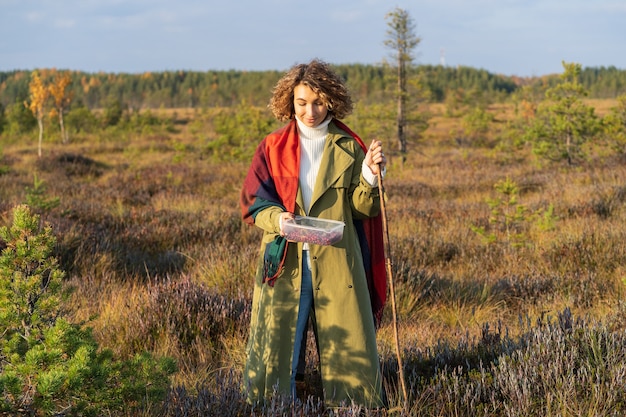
[392,292]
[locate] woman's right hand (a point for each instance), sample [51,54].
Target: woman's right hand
[375,158]
[285,215]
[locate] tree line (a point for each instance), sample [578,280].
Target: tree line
[554,121]
[368,83]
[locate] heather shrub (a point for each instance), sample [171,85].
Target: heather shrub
[193,311]
[4,168]
[71,164]
[558,366]
[568,366]
[188,320]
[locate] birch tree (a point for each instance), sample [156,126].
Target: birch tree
[38,96]
[61,98]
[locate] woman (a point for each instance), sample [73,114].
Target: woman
[315,166]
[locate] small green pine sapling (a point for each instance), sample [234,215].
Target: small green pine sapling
[510,220]
[36,197]
[48,365]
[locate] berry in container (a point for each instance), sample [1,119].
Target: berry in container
[313,230]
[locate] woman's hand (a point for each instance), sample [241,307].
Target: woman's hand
[375,158]
[284,216]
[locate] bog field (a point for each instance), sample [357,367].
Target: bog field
[509,269]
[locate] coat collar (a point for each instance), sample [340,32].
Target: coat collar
[336,159]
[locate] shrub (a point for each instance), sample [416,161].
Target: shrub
[3,118]
[81,120]
[240,130]
[113,113]
[19,120]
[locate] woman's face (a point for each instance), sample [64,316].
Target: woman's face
[308,106]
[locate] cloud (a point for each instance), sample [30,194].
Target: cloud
[346,15]
[34,17]
[64,23]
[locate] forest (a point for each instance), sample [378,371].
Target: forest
[368,83]
[126,270]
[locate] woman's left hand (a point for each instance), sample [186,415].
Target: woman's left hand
[375,158]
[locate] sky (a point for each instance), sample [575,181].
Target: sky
[509,37]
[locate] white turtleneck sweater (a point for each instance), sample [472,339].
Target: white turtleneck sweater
[312,140]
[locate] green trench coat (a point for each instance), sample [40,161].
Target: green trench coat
[349,362]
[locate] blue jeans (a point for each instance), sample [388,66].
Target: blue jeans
[306,302]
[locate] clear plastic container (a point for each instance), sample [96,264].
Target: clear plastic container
[313,230]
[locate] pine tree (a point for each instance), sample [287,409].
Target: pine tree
[49,366]
[402,41]
[563,122]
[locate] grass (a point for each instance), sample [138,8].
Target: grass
[150,234]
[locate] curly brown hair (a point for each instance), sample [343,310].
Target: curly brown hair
[319,77]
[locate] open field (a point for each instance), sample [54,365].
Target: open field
[528,322]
